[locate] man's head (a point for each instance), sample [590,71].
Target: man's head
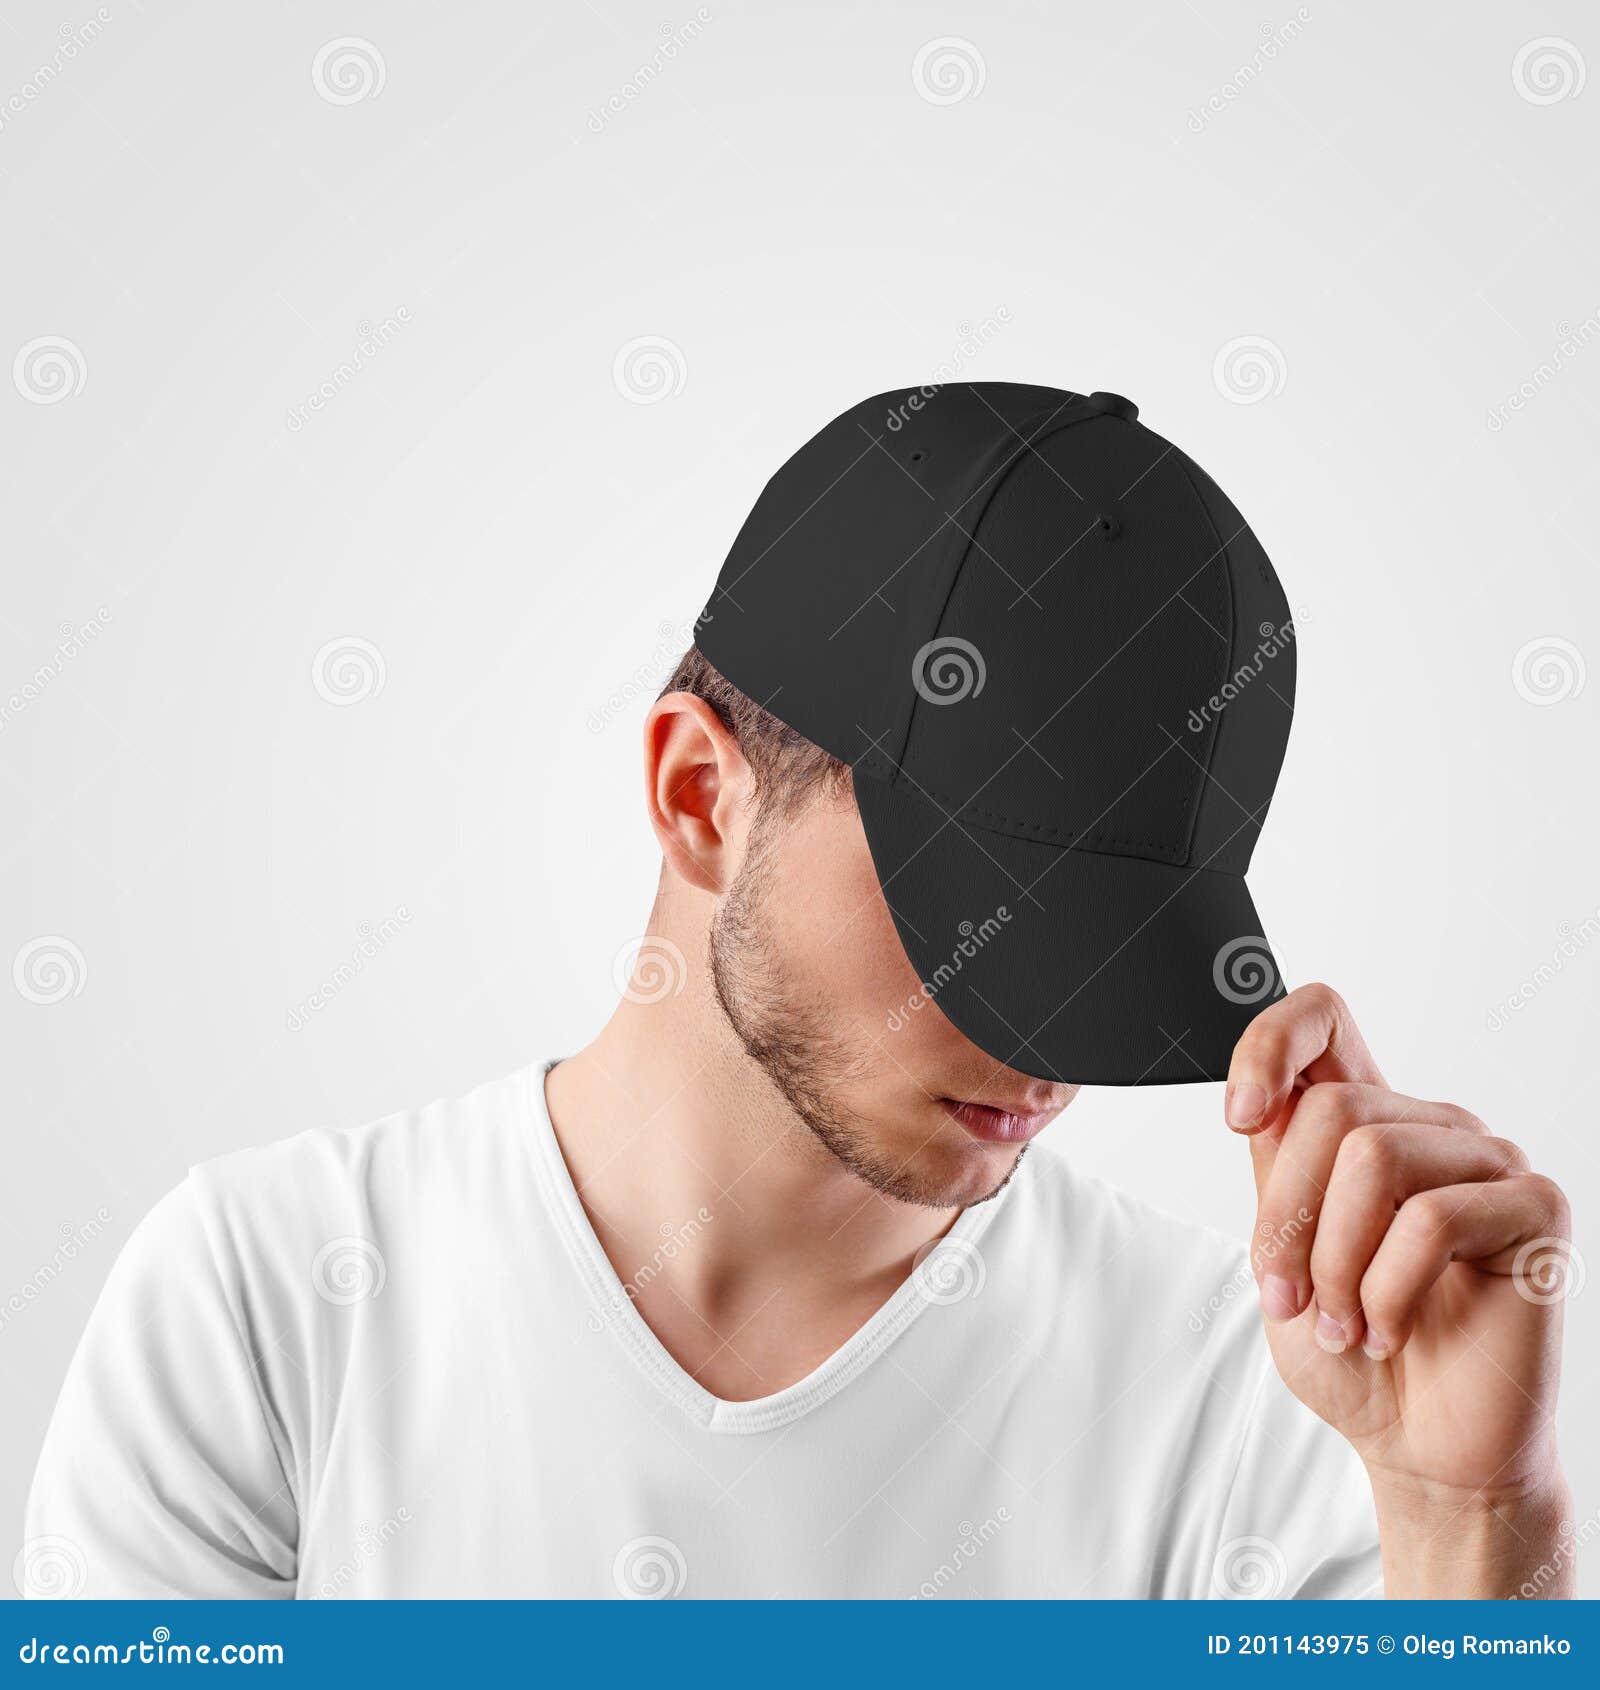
[963,775]
[765,856]
[1060,668]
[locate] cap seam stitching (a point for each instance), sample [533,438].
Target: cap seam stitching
[1226,597]
[1088,839]
[1021,449]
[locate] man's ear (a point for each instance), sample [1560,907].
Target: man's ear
[698,788]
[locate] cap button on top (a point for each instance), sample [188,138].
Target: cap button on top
[1114,405]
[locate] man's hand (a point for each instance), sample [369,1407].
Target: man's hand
[1411,1273]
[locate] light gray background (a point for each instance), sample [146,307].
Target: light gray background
[1401,214]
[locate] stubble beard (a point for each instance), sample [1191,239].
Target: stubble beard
[796,1040]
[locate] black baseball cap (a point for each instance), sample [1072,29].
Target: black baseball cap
[1061,669]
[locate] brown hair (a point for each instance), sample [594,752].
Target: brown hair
[789,770]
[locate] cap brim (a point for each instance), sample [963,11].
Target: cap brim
[1063,963]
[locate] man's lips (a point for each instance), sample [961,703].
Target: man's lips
[997,1126]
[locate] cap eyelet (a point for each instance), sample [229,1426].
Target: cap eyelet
[917,456]
[1109,527]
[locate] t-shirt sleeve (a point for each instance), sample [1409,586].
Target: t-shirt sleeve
[164,1472]
[1299,1519]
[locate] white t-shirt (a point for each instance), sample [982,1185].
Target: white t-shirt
[395,1361]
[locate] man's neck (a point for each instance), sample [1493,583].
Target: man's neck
[748,1249]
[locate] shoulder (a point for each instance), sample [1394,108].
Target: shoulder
[332,1199]
[1149,1293]
[455,1137]
[1167,1308]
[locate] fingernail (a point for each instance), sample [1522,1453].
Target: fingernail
[1376,1345]
[1331,1335]
[1280,1297]
[1246,1104]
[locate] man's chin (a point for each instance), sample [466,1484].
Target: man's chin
[992,1174]
[952,1180]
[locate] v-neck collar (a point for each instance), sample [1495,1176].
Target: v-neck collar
[613,1307]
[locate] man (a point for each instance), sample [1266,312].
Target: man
[761,1293]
